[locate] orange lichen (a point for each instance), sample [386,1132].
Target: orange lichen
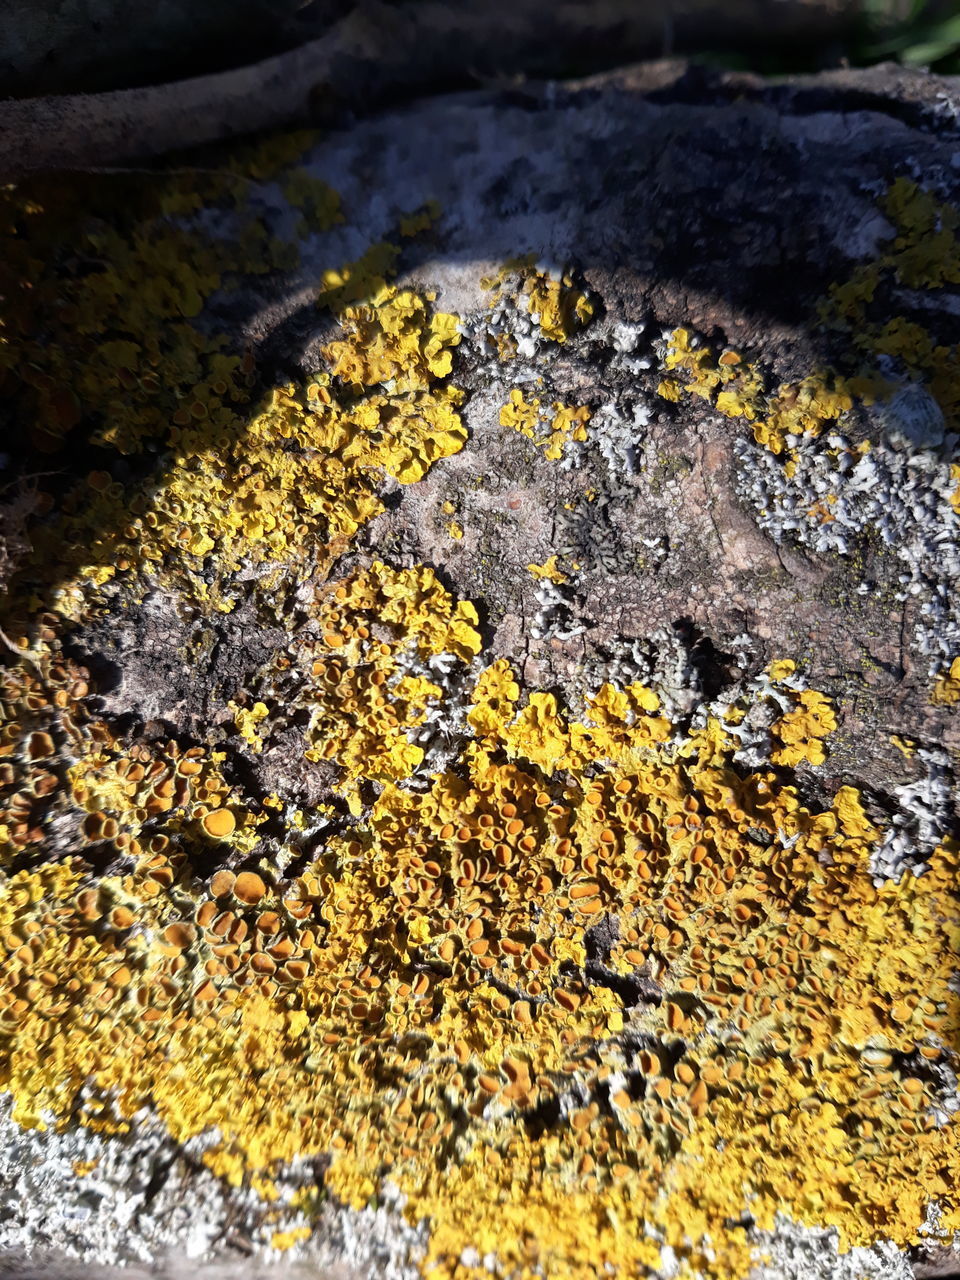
[219,823]
[423,984]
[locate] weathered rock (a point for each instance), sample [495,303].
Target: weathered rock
[638,872]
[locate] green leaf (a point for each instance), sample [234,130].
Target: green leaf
[917,45]
[934,43]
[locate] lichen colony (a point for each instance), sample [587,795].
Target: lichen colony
[591,976]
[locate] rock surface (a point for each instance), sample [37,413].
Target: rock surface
[483,655]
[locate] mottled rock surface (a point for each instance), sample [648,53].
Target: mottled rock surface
[480,704]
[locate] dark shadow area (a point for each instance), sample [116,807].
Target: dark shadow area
[96,46]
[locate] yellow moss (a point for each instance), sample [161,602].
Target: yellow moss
[852,817]
[802,409]
[926,248]
[539,733]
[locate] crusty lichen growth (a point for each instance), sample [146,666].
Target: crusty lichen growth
[248,476]
[585,987]
[922,255]
[364,699]
[558,304]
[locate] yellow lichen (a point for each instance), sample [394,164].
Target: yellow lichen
[801,732]
[946,690]
[284,1240]
[549,570]
[364,705]
[318,203]
[418,990]
[421,219]
[736,389]
[432,959]
[231,496]
[558,305]
[394,339]
[566,423]
[495,696]
[248,720]
[922,254]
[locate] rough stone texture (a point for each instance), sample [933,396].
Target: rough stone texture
[722,205]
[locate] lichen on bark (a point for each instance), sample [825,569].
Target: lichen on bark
[581,869]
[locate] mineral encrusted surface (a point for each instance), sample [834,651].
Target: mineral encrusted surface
[480,658]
